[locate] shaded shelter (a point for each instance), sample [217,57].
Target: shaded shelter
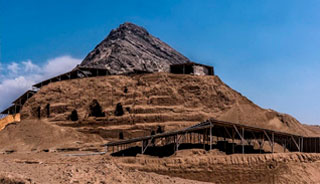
[192,68]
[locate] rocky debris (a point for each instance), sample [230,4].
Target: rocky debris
[130,48]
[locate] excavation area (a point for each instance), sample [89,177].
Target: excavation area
[227,137]
[184,166]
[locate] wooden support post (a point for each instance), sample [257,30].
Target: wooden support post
[233,134]
[261,143]
[242,142]
[227,131]
[203,138]
[314,143]
[272,142]
[302,144]
[142,147]
[299,144]
[210,147]
[175,143]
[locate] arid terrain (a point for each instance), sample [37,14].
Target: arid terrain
[58,150]
[64,127]
[188,166]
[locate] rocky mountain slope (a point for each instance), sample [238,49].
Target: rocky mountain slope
[129,48]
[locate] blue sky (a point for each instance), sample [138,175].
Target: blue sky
[267,50]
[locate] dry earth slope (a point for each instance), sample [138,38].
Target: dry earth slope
[150,100]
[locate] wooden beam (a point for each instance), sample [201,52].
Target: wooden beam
[294,141]
[242,142]
[271,141]
[237,131]
[210,147]
[178,141]
[227,131]
[301,144]
[233,134]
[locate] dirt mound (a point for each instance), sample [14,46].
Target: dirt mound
[170,101]
[34,135]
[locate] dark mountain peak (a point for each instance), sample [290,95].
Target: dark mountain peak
[132,28]
[129,48]
[128,29]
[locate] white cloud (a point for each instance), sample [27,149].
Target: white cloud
[13,67]
[23,75]
[30,67]
[1,72]
[59,65]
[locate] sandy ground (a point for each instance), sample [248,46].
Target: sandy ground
[35,135]
[63,168]
[189,166]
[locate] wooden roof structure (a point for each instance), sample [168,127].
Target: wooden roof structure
[227,130]
[19,102]
[181,68]
[78,72]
